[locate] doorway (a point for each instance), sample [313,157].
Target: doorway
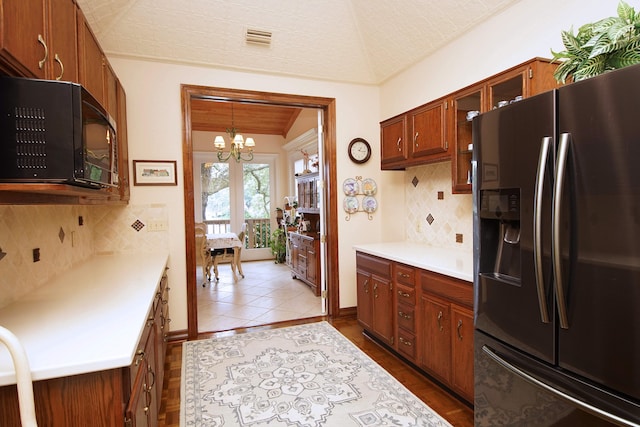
[191,93]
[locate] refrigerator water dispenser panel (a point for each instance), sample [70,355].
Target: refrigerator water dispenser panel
[500,243]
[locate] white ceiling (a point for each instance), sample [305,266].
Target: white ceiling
[357,41]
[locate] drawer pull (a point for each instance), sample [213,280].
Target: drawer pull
[403,294]
[404,315]
[403,275]
[405,342]
[458,329]
[440,328]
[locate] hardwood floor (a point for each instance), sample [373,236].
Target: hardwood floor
[454,411]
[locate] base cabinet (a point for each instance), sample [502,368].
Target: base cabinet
[424,317]
[375,296]
[305,261]
[128,396]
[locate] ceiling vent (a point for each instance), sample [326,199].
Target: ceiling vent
[259,37]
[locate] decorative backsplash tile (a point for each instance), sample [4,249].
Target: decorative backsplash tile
[63,242]
[433,220]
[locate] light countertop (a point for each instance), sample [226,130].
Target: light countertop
[450,262]
[87,319]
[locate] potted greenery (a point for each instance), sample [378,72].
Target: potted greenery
[601,46]
[278,244]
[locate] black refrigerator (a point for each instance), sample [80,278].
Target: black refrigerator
[556,200]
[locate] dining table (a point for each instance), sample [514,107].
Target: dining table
[225,246]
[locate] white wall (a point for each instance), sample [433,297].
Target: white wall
[529,28]
[155,132]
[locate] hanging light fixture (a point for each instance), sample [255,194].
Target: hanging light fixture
[238,143]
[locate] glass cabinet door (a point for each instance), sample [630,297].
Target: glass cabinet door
[507,89]
[466,105]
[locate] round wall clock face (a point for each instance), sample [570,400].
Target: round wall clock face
[359,150]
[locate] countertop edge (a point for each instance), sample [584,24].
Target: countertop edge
[446,261]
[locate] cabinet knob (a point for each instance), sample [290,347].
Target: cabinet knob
[404,315]
[405,342]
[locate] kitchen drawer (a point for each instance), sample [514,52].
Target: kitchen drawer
[405,274]
[407,345]
[406,317]
[453,289]
[374,265]
[406,295]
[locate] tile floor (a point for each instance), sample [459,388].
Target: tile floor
[266,294]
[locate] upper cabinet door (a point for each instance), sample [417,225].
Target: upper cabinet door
[63,43]
[428,131]
[23,44]
[393,140]
[91,61]
[465,105]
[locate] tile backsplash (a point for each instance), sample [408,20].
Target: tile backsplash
[63,242]
[434,215]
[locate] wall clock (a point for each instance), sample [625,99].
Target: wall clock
[359,150]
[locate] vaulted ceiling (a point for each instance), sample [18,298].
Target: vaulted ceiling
[354,41]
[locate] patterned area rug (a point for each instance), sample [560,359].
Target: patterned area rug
[307,375]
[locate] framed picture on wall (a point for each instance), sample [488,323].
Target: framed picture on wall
[154,172]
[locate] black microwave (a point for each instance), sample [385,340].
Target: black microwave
[55,132]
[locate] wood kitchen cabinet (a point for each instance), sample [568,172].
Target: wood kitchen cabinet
[446,335]
[305,259]
[406,320]
[127,396]
[440,130]
[415,137]
[393,141]
[520,82]
[38,39]
[308,193]
[375,297]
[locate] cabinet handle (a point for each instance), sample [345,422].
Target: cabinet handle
[440,328]
[415,138]
[405,315]
[140,355]
[46,52]
[403,294]
[366,286]
[375,290]
[405,342]
[398,144]
[404,275]
[57,59]
[153,378]
[458,329]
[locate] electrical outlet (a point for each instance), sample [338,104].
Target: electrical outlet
[157,225]
[458,238]
[36,254]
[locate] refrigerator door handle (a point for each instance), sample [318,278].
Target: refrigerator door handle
[559,394]
[563,150]
[537,228]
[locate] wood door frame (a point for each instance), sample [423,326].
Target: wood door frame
[328,105]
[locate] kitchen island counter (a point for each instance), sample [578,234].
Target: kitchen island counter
[450,262]
[90,318]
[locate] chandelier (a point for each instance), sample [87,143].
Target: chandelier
[238,143]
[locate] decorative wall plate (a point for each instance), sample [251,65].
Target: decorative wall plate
[350,204]
[369,187]
[369,204]
[350,187]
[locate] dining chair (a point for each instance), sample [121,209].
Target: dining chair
[203,252]
[232,255]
